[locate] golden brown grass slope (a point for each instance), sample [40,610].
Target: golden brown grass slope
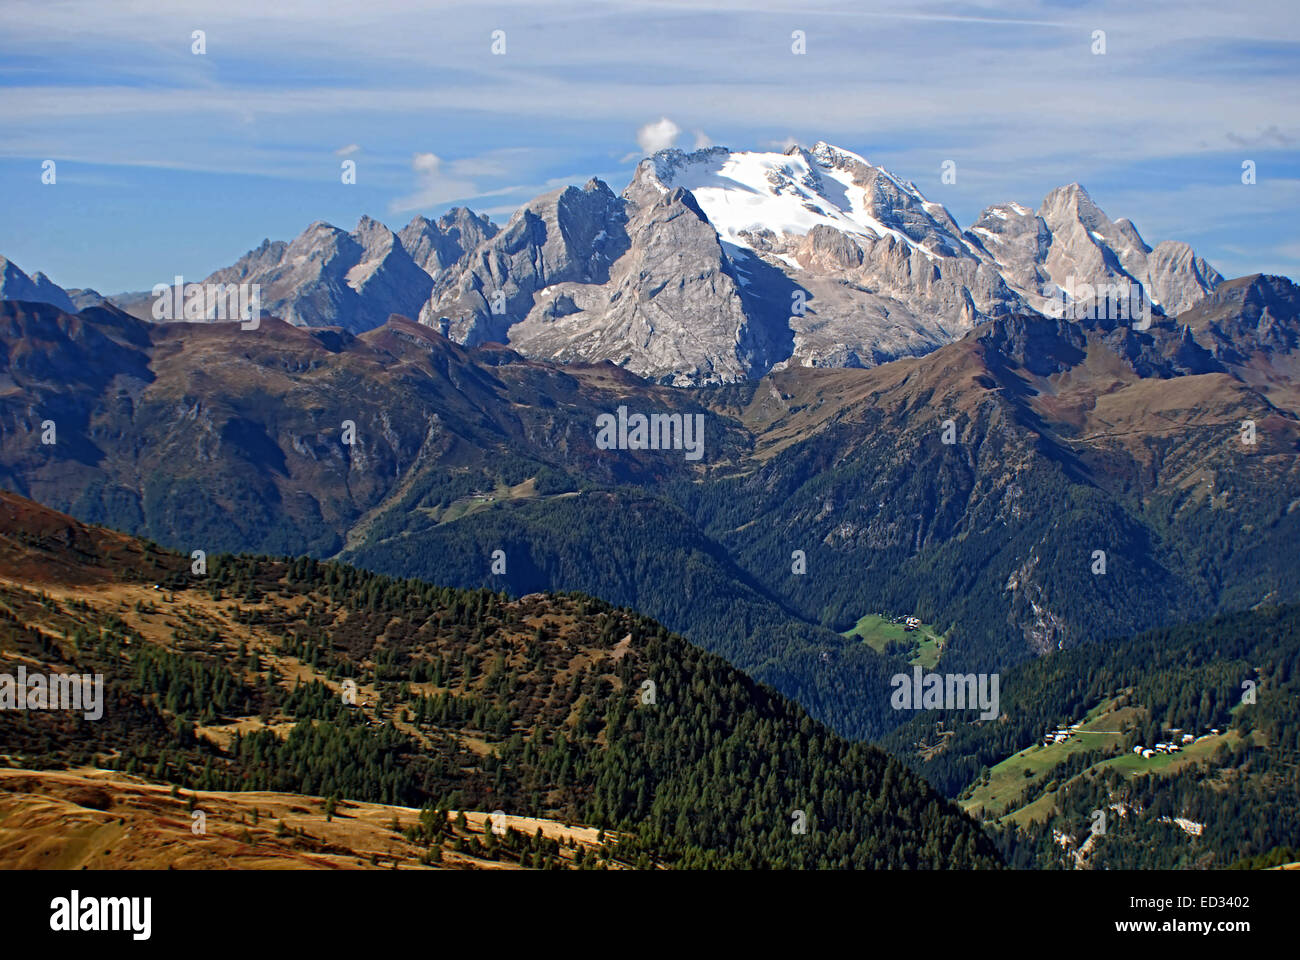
[89,819]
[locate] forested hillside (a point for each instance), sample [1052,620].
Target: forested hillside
[1036,486]
[561,707]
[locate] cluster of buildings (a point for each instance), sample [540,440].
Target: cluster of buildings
[1060,735]
[1177,740]
[908,623]
[1147,752]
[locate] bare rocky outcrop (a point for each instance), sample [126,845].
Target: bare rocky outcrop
[1069,242]
[571,235]
[436,245]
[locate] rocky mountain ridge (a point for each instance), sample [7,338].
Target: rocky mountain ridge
[713,266]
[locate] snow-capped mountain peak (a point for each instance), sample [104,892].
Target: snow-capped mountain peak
[749,194]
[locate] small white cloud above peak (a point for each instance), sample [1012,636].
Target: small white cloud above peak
[659,135]
[347,151]
[435,185]
[426,162]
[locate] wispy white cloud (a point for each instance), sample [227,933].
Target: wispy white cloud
[438,183]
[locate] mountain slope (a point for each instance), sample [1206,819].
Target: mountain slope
[1252,326]
[1066,440]
[149,415]
[1223,691]
[1098,480]
[92,819]
[544,706]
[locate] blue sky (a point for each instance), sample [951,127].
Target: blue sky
[170,162]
